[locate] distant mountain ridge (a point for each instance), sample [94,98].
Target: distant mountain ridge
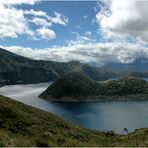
[16,69]
[139,65]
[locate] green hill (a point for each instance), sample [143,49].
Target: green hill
[79,87]
[72,85]
[23,125]
[125,86]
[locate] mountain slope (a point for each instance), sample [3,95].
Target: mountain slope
[79,87]
[16,69]
[23,125]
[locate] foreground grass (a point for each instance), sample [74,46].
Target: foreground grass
[22,125]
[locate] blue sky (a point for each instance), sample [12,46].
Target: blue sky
[79,13]
[100,32]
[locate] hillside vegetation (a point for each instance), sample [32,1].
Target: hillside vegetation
[79,87]
[22,125]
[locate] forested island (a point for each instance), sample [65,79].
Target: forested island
[79,87]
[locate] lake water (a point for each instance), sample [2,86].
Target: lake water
[103,116]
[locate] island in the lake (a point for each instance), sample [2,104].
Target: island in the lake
[79,87]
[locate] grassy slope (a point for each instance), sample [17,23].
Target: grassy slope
[22,125]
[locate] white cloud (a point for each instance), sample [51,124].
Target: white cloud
[35,13]
[15,22]
[81,39]
[124,18]
[12,22]
[59,18]
[18,2]
[88,33]
[41,22]
[46,33]
[99,53]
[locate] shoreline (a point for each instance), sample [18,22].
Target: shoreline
[139,97]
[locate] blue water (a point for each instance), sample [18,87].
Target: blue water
[104,116]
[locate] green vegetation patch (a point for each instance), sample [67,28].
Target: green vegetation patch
[79,87]
[23,125]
